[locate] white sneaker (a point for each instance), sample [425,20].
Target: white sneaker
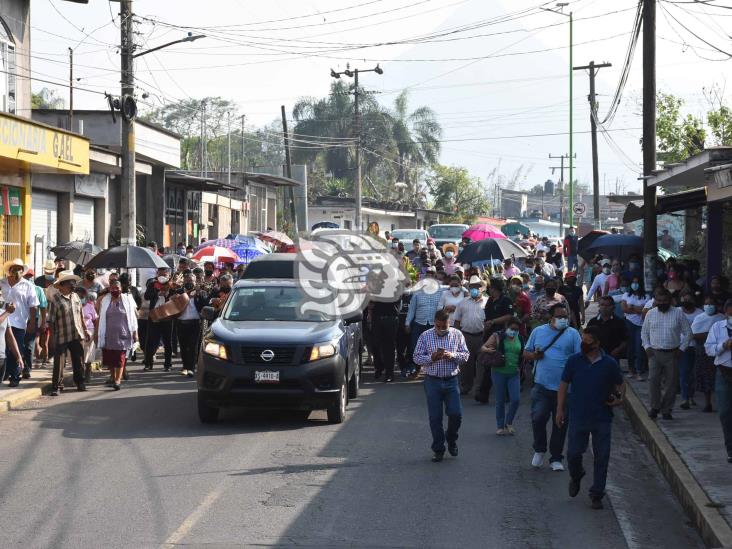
[557,466]
[510,430]
[184,372]
[537,460]
[501,432]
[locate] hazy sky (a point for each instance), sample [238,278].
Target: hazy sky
[499,78]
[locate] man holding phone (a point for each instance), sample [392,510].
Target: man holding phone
[440,351]
[597,387]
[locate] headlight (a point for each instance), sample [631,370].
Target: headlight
[216,349]
[323,350]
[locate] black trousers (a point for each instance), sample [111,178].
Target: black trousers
[385,337]
[76,350]
[157,331]
[142,324]
[403,344]
[189,333]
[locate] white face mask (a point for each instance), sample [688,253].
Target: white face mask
[162,279]
[455,290]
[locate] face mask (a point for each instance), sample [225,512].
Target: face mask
[188,286]
[90,276]
[474,292]
[455,290]
[538,287]
[571,233]
[561,323]
[441,333]
[511,333]
[395,245]
[688,305]
[663,307]
[449,255]
[633,266]
[672,275]
[115,292]
[49,277]
[163,279]
[587,348]
[430,247]
[526,287]
[516,289]
[209,273]
[606,270]
[635,286]
[710,309]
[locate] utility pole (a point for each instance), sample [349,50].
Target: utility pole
[71,90]
[357,130]
[203,138]
[228,147]
[127,187]
[593,127]
[562,158]
[288,168]
[650,245]
[241,166]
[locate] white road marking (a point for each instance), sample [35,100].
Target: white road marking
[191,520]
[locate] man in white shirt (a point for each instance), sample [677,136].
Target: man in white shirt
[665,335]
[469,318]
[22,294]
[719,345]
[599,282]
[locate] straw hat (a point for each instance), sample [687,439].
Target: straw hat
[65,276]
[49,267]
[450,246]
[475,279]
[14,263]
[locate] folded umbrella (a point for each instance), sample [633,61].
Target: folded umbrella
[490,248]
[77,251]
[481,231]
[129,257]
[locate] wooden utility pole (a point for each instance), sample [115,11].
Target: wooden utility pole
[593,127]
[71,90]
[127,187]
[650,245]
[242,166]
[288,168]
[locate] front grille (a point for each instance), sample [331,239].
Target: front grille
[282,355]
[250,383]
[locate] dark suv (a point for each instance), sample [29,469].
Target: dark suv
[264,352]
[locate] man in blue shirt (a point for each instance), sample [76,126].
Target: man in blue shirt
[549,346]
[596,387]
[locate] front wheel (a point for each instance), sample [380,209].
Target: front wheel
[337,410]
[206,412]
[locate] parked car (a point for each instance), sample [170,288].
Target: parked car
[263,351]
[446,233]
[271,266]
[407,236]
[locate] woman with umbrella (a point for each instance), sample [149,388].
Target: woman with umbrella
[117,330]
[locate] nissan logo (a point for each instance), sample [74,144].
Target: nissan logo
[267,355]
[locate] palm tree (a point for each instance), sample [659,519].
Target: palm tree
[417,135]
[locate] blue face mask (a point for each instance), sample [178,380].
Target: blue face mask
[511,333]
[474,292]
[561,323]
[634,286]
[710,309]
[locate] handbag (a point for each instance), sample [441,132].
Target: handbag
[491,359]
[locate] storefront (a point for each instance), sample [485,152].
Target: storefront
[28,148]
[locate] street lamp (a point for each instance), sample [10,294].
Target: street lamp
[356,122]
[190,38]
[560,10]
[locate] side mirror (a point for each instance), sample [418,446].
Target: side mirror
[358,317]
[208,313]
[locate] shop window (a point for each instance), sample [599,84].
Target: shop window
[235,221]
[8,70]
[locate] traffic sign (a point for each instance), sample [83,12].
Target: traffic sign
[579,208]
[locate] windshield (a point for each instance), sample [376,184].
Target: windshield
[453,232]
[269,303]
[408,236]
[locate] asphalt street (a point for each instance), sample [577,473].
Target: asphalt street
[135,468]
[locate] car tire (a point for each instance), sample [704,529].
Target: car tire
[206,412]
[337,410]
[355,381]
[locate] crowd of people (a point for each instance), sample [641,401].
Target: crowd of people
[85,316]
[501,325]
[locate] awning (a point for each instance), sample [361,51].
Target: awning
[667,203]
[197,183]
[274,180]
[692,172]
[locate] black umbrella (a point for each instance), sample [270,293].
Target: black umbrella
[130,257]
[77,251]
[587,240]
[490,248]
[620,246]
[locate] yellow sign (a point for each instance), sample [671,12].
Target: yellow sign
[41,145]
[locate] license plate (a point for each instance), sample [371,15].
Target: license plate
[266,376]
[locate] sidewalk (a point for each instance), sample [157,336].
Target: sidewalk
[29,389]
[690,452]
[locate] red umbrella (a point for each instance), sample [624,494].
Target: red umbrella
[481,231]
[217,254]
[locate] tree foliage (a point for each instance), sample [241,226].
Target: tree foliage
[47,99]
[455,190]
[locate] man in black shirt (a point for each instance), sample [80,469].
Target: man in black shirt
[612,330]
[384,326]
[575,298]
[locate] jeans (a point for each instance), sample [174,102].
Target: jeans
[503,383]
[189,332]
[77,355]
[29,341]
[579,435]
[157,331]
[634,348]
[723,391]
[416,330]
[686,373]
[12,368]
[571,262]
[544,407]
[445,393]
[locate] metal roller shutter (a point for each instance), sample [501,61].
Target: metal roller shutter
[83,219]
[44,226]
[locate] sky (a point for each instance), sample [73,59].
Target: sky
[495,72]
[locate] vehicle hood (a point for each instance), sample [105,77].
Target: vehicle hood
[282,332]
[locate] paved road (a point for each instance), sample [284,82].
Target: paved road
[136,469]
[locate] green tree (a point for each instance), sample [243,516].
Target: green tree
[47,99]
[720,125]
[678,136]
[455,190]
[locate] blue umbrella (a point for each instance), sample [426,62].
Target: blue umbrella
[620,246]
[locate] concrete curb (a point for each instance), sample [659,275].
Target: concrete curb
[712,526]
[21,396]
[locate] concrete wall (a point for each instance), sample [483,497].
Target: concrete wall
[16,15]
